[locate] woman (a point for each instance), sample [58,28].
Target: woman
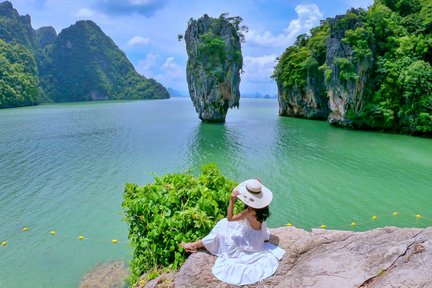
[239,240]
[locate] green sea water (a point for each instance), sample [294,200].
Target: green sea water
[63,167]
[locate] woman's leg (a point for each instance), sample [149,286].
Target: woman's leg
[192,247]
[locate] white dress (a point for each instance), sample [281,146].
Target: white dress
[243,257]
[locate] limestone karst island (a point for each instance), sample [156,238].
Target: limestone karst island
[215,144]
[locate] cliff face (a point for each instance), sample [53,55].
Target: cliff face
[213,67]
[300,81]
[349,72]
[309,101]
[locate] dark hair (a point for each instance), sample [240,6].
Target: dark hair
[261,214]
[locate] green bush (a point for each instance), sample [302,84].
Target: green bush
[175,208]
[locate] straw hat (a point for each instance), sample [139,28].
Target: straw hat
[254,194]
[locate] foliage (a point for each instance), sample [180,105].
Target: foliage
[302,59]
[212,53]
[175,208]
[236,23]
[416,113]
[392,41]
[346,70]
[218,45]
[18,76]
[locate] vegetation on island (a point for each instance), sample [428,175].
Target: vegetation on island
[388,54]
[87,65]
[80,64]
[175,208]
[18,81]
[213,52]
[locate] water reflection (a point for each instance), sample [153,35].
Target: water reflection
[216,143]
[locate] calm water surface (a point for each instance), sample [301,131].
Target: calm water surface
[63,167]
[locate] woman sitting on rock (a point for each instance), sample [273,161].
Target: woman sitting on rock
[239,240]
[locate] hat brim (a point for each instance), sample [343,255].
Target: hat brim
[254,200]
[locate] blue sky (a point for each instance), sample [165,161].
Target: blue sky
[146,30]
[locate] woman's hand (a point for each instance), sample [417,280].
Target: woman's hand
[234,194]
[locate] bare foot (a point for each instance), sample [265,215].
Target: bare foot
[191,247]
[188,247]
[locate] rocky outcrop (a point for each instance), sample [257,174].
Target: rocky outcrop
[309,101]
[384,257]
[213,67]
[349,72]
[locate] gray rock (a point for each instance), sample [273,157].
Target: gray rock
[108,275]
[213,67]
[385,257]
[345,94]
[305,102]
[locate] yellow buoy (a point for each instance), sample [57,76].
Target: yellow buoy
[25,229]
[418,216]
[323,226]
[114,241]
[395,213]
[374,218]
[289,224]
[4,243]
[353,224]
[81,237]
[52,232]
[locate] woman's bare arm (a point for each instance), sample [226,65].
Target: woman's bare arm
[237,217]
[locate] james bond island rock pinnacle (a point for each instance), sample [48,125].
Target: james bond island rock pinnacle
[213,69]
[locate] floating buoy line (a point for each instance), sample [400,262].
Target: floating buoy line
[53,233]
[350,225]
[376,218]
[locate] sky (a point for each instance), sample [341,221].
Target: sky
[147,30]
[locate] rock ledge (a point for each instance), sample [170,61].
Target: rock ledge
[384,257]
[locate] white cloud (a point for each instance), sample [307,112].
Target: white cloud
[172,70]
[139,41]
[85,12]
[308,17]
[259,68]
[146,66]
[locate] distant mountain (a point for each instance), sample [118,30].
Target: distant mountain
[258,95]
[80,64]
[176,93]
[87,65]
